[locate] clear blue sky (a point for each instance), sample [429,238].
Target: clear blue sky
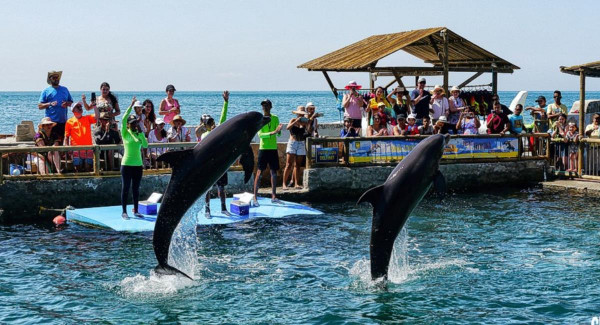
[256,45]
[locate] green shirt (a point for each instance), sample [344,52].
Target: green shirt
[132,142]
[221,120]
[269,141]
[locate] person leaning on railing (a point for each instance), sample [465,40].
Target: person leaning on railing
[559,132]
[517,124]
[426,128]
[157,135]
[593,129]
[378,128]
[497,122]
[106,135]
[348,130]
[78,132]
[45,138]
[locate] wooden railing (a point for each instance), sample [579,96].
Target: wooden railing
[389,150]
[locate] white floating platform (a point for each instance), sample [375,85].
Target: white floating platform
[110,216]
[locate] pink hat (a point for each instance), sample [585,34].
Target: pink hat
[353,84]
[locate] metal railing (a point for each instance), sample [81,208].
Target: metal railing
[70,161]
[389,150]
[589,157]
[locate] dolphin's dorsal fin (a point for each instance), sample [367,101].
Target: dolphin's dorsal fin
[372,195]
[174,158]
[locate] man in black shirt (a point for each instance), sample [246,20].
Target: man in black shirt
[420,99]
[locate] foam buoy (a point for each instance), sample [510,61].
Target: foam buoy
[59,220]
[16,172]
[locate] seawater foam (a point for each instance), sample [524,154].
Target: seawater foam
[183,255]
[400,271]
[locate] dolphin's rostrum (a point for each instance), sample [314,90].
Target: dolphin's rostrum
[394,200]
[195,170]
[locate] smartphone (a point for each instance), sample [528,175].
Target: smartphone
[93,97]
[303,119]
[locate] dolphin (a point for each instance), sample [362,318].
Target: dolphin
[394,200]
[195,170]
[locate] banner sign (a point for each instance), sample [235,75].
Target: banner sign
[327,155]
[381,150]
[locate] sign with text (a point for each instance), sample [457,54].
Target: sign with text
[327,155]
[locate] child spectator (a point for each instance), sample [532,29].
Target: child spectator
[572,138]
[517,125]
[468,122]
[559,131]
[401,127]
[348,130]
[78,132]
[138,109]
[426,128]
[412,128]
[379,127]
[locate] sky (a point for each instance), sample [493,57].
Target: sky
[257,45]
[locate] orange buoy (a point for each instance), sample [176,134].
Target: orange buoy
[59,220]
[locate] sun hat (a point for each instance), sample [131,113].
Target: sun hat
[53,73]
[104,116]
[412,116]
[454,89]
[300,110]
[438,87]
[422,80]
[159,120]
[170,87]
[137,104]
[353,84]
[178,118]
[46,120]
[80,104]
[443,119]
[380,104]
[540,98]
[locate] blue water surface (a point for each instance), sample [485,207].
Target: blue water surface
[18,106]
[505,257]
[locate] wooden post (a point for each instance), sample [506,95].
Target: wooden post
[371,81]
[335,93]
[97,160]
[445,37]
[581,119]
[494,81]
[347,151]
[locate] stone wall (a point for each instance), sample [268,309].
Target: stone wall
[351,182]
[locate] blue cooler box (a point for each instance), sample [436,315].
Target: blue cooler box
[239,208]
[146,207]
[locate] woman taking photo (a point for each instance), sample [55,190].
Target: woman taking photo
[169,107]
[296,148]
[468,122]
[131,165]
[107,102]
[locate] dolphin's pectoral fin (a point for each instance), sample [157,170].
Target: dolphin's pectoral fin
[173,158]
[439,184]
[247,162]
[372,195]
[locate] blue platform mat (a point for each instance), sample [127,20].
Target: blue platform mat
[110,216]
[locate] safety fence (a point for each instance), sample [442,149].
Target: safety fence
[70,161]
[588,158]
[388,150]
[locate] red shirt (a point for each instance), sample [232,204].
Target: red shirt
[80,130]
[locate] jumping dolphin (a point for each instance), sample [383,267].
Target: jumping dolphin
[195,170]
[394,200]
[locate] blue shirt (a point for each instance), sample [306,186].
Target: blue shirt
[61,94]
[345,133]
[516,123]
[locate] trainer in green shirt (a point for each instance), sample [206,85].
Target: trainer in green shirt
[133,141]
[269,133]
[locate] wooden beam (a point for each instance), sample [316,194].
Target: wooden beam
[390,83]
[412,69]
[473,77]
[435,48]
[445,37]
[335,93]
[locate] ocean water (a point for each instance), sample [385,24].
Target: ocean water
[495,258]
[18,106]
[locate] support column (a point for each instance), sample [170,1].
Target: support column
[581,119]
[445,37]
[494,81]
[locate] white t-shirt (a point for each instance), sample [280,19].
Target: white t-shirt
[440,107]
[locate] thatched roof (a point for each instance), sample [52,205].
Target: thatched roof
[591,69]
[425,44]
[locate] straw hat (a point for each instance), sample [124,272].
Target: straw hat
[47,120]
[300,110]
[454,89]
[353,84]
[53,73]
[178,118]
[380,104]
[438,87]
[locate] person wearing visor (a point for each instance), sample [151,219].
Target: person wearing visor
[131,165]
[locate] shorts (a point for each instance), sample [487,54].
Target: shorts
[58,132]
[356,123]
[268,157]
[81,155]
[297,148]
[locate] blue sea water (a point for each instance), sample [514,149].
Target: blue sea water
[495,258]
[18,106]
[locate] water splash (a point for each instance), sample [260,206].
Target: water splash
[183,252]
[140,286]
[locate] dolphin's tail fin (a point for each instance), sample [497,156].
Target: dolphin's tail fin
[169,270]
[372,195]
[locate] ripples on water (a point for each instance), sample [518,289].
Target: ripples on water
[495,258]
